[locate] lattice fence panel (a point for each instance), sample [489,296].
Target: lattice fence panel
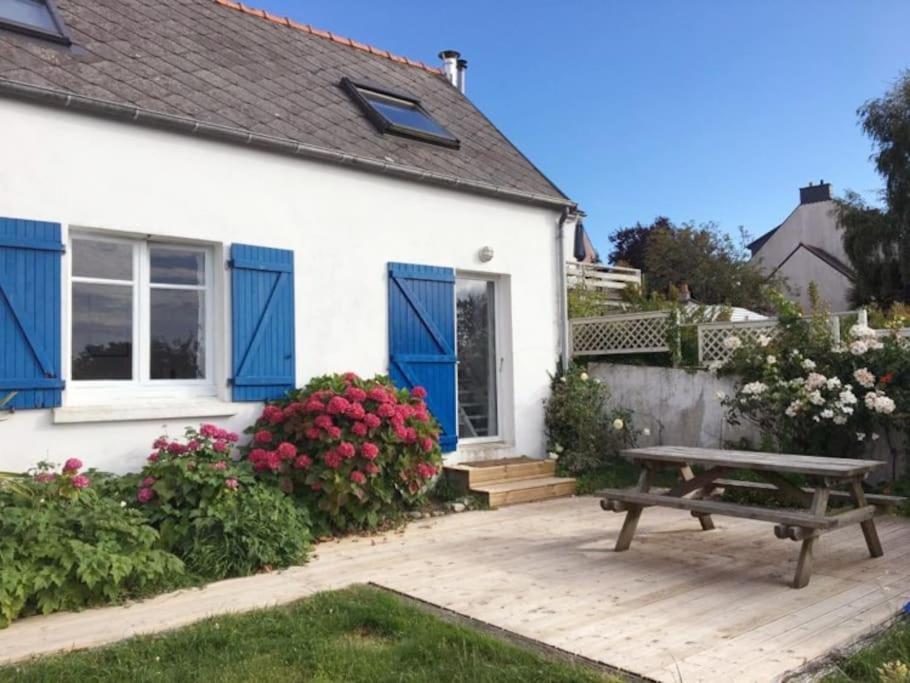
[711,337]
[625,333]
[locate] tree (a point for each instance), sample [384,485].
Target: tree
[629,244]
[707,260]
[887,121]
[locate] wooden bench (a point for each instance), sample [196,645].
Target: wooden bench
[693,493]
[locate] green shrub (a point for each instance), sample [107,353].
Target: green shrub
[358,452]
[213,513]
[582,429]
[63,546]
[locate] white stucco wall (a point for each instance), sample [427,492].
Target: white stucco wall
[343,225]
[833,286]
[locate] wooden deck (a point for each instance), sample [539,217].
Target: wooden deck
[546,571]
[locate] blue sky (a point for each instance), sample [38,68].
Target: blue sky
[698,110]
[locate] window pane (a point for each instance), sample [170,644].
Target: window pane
[477,403]
[106,260]
[178,334]
[102,331]
[405,114]
[29,12]
[175,266]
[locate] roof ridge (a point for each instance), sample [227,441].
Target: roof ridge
[327,35]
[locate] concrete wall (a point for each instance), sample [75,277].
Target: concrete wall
[679,407]
[343,225]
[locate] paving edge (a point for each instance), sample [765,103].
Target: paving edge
[519,640]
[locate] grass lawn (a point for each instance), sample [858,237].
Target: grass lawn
[893,646]
[357,634]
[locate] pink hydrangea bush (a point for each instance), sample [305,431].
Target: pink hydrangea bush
[359,451]
[68,483]
[212,512]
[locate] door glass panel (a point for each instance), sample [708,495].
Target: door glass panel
[177,334]
[176,266]
[477,409]
[102,331]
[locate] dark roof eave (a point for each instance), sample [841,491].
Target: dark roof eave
[239,136]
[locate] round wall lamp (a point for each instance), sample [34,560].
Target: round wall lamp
[485,254]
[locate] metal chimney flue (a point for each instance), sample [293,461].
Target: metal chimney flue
[461,72]
[450,65]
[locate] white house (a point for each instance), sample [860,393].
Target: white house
[205,205]
[808,247]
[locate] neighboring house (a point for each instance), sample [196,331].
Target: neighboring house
[808,247]
[206,205]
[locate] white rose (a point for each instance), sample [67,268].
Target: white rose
[816,398]
[847,397]
[864,378]
[875,437]
[583,377]
[815,381]
[763,340]
[808,364]
[860,436]
[770,360]
[646,431]
[840,420]
[553,456]
[858,348]
[834,383]
[732,343]
[827,413]
[618,424]
[861,331]
[720,396]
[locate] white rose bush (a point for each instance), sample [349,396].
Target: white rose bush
[808,394]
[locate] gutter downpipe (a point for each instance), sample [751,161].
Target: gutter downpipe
[287,146]
[564,349]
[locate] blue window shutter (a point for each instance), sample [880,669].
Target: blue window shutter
[422,339]
[30,308]
[262,311]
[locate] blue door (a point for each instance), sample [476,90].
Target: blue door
[422,339]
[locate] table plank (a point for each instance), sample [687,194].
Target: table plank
[777,462]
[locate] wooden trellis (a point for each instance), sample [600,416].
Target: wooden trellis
[711,337]
[622,333]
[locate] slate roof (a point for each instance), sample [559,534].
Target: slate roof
[219,62]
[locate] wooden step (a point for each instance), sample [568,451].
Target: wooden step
[468,476]
[513,491]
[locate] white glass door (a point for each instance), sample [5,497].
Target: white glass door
[478,410]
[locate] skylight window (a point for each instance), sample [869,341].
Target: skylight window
[33,17]
[399,114]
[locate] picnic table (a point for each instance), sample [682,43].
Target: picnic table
[694,492]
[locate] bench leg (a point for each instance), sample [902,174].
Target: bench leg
[630,524]
[804,565]
[868,527]
[707,523]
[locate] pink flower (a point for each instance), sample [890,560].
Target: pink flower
[233,437]
[351,377]
[148,482]
[80,481]
[355,394]
[385,410]
[346,449]
[421,414]
[192,445]
[175,448]
[426,470]
[323,422]
[220,446]
[379,395]
[419,392]
[154,457]
[313,405]
[410,435]
[332,459]
[273,414]
[220,465]
[369,450]
[286,451]
[359,429]
[72,465]
[372,468]
[209,430]
[426,444]
[355,411]
[263,436]
[231,484]
[334,432]
[145,495]
[358,477]
[312,433]
[372,421]
[316,486]
[160,442]
[45,477]
[337,405]
[303,462]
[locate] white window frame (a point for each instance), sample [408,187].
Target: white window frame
[142,385]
